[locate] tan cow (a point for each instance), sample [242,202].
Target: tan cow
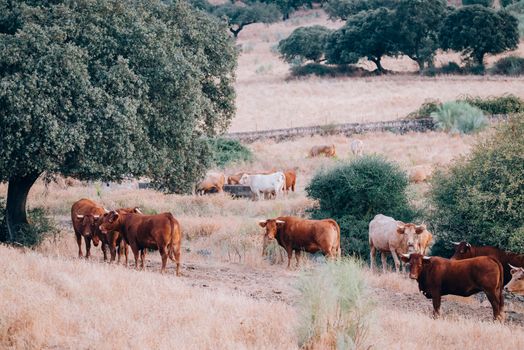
[388,235]
[235,178]
[326,150]
[85,215]
[291,179]
[357,147]
[426,238]
[297,234]
[516,284]
[214,182]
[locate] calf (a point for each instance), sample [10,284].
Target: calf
[464,250]
[516,284]
[142,232]
[213,183]
[438,276]
[291,179]
[296,234]
[85,215]
[326,150]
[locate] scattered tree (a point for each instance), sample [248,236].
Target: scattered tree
[287,7]
[103,90]
[418,23]
[238,14]
[343,9]
[368,34]
[476,31]
[305,43]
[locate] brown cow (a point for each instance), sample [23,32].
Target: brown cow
[114,240]
[291,179]
[464,250]
[214,182]
[438,276]
[85,215]
[143,232]
[516,285]
[326,150]
[297,234]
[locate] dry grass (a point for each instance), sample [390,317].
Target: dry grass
[265,100]
[51,303]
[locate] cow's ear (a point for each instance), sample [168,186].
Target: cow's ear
[262,223]
[419,229]
[113,217]
[513,269]
[400,229]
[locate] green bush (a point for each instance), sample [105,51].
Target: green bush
[333,309]
[459,117]
[29,235]
[511,65]
[353,193]
[425,110]
[226,151]
[323,70]
[507,104]
[505,3]
[304,43]
[480,198]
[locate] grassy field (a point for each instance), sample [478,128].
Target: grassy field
[266,100]
[229,296]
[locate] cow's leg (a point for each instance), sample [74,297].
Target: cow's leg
[112,244]
[297,256]
[436,303]
[104,250]
[494,300]
[135,251]
[397,261]
[372,252]
[79,242]
[163,253]
[143,257]
[289,256]
[88,247]
[384,259]
[177,259]
[125,251]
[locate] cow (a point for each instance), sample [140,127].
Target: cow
[235,179]
[85,215]
[262,184]
[438,276]
[388,235]
[214,182]
[297,234]
[291,179]
[464,250]
[114,240]
[142,232]
[419,173]
[357,147]
[425,240]
[516,284]
[326,150]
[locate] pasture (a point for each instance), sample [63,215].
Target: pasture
[229,296]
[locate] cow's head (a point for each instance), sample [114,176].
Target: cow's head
[462,251]
[89,226]
[244,180]
[416,262]
[271,226]
[516,285]
[110,222]
[411,233]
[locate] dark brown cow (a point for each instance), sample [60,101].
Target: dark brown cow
[464,250]
[114,240]
[143,232]
[291,179]
[85,215]
[297,234]
[438,276]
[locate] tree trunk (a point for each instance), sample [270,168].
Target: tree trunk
[235,31]
[378,64]
[17,192]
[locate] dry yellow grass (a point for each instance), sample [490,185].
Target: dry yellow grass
[265,100]
[61,303]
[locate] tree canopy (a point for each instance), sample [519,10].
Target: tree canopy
[343,9]
[304,43]
[109,89]
[476,31]
[238,14]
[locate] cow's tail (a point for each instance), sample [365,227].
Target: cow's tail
[337,248]
[176,237]
[501,289]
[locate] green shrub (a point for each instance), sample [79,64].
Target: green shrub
[511,65]
[226,151]
[425,110]
[333,309]
[353,193]
[305,43]
[506,104]
[459,117]
[30,235]
[505,3]
[481,198]
[448,69]
[323,70]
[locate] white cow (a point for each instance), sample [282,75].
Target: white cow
[264,183]
[388,235]
[357,147]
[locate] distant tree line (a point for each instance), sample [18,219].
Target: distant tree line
[414,28]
